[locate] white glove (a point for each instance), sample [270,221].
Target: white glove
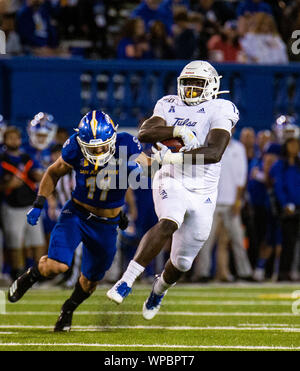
[189,138]
[165,156]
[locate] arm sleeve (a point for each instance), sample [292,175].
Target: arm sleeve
[70,151]
[225,116]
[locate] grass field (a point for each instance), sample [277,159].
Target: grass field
[193,317]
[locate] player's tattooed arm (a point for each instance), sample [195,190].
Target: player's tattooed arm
[214,147]
[155,130]
[52,175]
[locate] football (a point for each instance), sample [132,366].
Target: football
[174,144]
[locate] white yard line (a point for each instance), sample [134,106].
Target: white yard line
[170,302]
[7,333]
[281,295]
[162,313]
[169,346]
[171,328]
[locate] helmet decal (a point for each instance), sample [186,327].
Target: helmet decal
[97,137]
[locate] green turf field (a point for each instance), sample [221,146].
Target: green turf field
[193,317]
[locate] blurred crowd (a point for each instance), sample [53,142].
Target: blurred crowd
[255,234]
[244,31]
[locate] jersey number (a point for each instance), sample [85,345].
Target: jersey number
[104,185]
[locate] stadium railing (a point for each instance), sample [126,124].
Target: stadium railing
[128,90]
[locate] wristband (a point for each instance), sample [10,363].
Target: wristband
[39,202]
[173,158]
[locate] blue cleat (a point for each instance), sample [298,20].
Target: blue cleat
[119,292]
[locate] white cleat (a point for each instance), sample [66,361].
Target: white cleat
[118,292]
[259,274]
[152,305]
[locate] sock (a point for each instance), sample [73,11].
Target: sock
[77,297]
[161,286]
[261,263]
[132,272]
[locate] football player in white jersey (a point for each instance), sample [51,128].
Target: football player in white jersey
[184,189]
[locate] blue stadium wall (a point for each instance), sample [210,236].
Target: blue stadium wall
[128,90]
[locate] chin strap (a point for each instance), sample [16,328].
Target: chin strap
[97,164]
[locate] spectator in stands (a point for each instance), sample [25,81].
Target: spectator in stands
[150,11]
[134,43]
[175,6]
[225,47]
[35,28]
[160,43]
[215,12]
[263,43]
[232,182]
[253,6]
[18,177]
[185,42]
[286,176]
[13,42]
[69,19]
[93,21]
[10,6]
[196,23]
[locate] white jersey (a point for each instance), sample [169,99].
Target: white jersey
[201,118]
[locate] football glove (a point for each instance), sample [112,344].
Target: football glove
[163,155]
[189,138]
[33,215]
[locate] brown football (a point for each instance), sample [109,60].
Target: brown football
[174,144]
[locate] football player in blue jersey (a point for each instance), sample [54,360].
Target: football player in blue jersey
[41,131]
[93,214]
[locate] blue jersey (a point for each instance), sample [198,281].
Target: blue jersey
[106,186]
[42,157]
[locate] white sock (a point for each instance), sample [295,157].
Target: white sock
[161,286]
[132,272]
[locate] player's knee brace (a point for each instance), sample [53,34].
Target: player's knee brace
[182,263]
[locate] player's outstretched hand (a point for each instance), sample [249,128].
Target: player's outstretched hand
[189,138]
[33,216]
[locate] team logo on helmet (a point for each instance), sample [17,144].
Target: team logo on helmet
[97,136]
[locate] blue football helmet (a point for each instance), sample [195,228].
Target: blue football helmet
[97,135]
[41,130]
[285,127]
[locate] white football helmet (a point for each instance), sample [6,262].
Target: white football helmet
[198,82]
